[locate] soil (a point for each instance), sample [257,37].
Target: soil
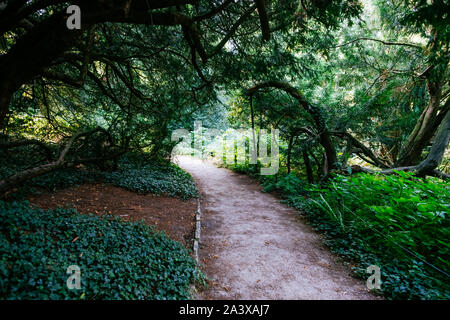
[175,217]
[254,247]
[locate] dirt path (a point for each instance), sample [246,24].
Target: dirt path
[254,247]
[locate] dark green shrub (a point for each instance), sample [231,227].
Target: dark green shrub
[118,260]
[288,184]
[245,168]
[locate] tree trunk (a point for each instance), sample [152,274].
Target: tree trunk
[22,176]
[438,148]
[307,162]
[6,95]
[314,111]
[18,178]
[431,162]
[289,151]
[424,130]
[254,154]
[325,168]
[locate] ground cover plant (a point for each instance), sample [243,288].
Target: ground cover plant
[135,172]
[118,260]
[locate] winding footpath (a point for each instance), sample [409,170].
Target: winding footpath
[254,247]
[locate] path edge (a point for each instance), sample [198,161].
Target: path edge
[195,248]
[198,226]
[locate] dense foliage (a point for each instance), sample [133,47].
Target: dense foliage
[118,260]
[396,222]
[137,174]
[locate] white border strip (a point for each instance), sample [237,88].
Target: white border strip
[198,227]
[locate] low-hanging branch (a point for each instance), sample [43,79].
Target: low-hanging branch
[24,62]
[314,111]
[360,146]
[21,143]
[426,167]
[18,178]
[387,43]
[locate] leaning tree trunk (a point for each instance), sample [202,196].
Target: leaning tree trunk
[307,162]
[424,130]
[437,151]
[429,165]
[314,111]
[22,176]
[18,178]
[438,148]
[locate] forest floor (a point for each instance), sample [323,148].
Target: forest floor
[254,247]
[175,217]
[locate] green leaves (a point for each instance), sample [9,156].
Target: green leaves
[118,260]
[398,221]
[139,175]
[136,172]
[289,184]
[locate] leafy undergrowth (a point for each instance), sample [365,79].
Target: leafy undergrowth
[285,184]
[141,176]
[397,222]
[117,259]
[135,173]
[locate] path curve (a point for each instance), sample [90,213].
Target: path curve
[254,247]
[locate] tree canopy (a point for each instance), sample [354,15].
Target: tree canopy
[338,78]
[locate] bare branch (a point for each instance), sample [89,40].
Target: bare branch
[232,30]
[359,145]
[261,5]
